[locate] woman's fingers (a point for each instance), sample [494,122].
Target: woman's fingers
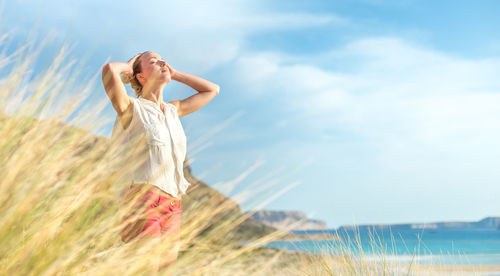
[172,70]
[132,60]
[131,64]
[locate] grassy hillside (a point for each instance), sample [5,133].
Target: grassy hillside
[199,192]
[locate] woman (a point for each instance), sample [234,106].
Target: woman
[159,180]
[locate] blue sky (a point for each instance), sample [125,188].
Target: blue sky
[350,111]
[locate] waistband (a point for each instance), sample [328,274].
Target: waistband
[150,188]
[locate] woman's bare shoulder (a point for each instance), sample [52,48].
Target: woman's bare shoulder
[177,105]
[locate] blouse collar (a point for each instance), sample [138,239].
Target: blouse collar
[153,103]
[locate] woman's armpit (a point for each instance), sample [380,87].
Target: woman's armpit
[127,117]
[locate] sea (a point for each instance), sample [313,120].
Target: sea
[404,246]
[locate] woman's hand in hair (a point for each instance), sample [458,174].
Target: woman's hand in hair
[131,64]
[128,72]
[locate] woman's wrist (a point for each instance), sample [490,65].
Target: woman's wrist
[181,77]
[197,83]
[176,76]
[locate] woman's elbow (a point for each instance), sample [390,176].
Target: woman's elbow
[216,89]
[106,69]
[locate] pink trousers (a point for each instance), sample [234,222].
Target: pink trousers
[160,215]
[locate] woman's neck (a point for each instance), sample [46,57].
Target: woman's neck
[154,94]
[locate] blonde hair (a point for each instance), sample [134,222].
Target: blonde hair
[134,82]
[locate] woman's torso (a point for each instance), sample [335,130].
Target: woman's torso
[163,145]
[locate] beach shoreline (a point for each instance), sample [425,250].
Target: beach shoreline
[293,258]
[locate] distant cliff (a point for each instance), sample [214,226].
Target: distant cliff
[291,220]
[484,224]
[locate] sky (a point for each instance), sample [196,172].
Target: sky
[353,112]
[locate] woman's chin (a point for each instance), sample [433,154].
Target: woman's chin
[165,79]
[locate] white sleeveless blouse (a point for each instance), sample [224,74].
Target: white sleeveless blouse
[162,146]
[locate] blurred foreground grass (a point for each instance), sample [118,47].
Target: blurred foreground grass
[62,187]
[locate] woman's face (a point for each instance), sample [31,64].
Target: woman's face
[153,68]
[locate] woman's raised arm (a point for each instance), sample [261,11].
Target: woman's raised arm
[114,86]
[206,92]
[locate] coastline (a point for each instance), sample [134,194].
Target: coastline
[302,237]
[293,260]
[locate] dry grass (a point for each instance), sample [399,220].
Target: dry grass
[61,197]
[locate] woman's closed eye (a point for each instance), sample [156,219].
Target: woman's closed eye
[157,61]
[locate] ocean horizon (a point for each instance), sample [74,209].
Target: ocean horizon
[404,246]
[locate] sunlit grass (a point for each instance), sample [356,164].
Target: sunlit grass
[62,196]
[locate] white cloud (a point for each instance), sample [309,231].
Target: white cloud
[410,101]
[198,35]
[214,32]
